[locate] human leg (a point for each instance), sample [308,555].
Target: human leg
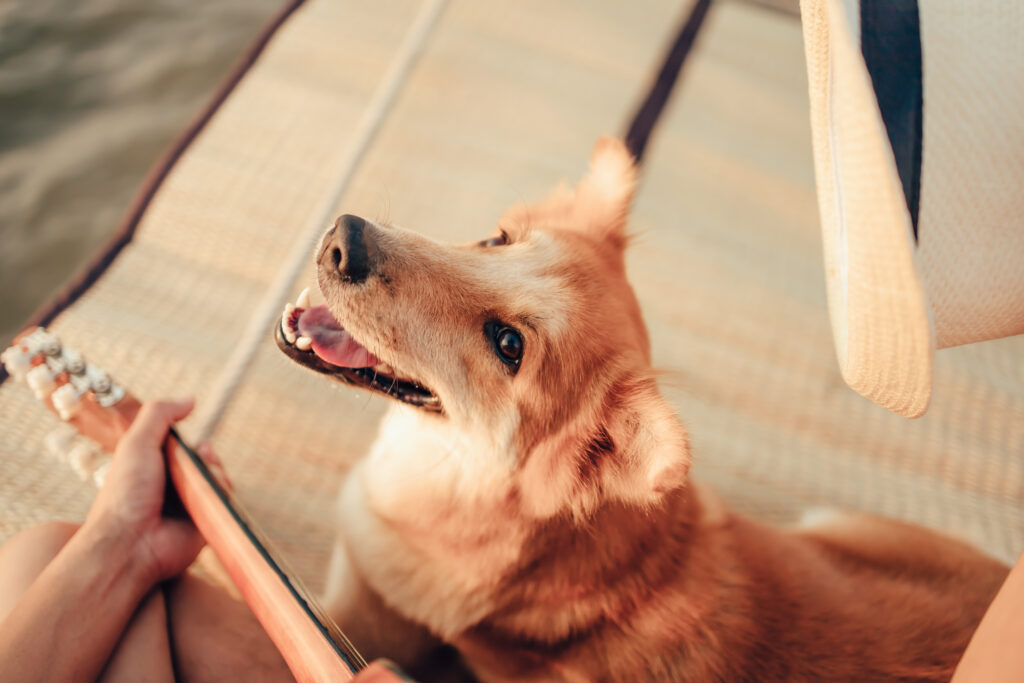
[143,653]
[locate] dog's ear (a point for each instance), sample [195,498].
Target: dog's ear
[648,443]
[637,453]
[603,196]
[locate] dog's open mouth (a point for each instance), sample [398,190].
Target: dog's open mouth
[311,336]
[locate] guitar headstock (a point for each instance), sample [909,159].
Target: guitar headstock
[86,398]
[80,393]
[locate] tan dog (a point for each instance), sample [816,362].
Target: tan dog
[527,499]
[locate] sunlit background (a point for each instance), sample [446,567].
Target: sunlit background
[505,100]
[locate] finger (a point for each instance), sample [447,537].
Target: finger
[205,451]
[155,418]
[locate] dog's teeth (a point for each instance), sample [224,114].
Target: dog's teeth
[286,323]
[303,343]
[303,300]
[384,369]
[289,331]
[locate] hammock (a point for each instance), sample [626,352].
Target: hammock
[439,120]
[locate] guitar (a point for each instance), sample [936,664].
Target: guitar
[85,396]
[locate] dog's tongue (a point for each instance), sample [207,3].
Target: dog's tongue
[330,340]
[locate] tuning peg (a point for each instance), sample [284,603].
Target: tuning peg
[100,475]
[17,361]
[84,459]
[100,382]
[107,391]
[73,361]
[50,345]
[67,401]
[60,441]
[41,380]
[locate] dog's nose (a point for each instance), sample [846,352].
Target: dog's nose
[351,249]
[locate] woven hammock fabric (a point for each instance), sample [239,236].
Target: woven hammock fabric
[505,101]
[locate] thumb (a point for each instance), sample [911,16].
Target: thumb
[155,418]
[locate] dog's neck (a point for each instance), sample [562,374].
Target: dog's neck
[578,579]
[515,569]
[588,570]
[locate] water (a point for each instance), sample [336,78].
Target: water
[91,93]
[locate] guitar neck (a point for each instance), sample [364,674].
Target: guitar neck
[313,647]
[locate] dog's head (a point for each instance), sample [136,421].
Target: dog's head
[530,340]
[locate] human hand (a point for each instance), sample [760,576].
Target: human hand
[129,504]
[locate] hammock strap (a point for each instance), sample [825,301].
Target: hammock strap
[650,110]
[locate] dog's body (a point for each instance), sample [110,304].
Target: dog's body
[532,506]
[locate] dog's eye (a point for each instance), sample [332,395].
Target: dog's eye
[510,344]
[498,241]
[507,343]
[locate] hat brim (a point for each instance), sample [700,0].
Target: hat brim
[878,305]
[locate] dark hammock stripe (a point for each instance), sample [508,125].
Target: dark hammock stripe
[647,115]
[890,39]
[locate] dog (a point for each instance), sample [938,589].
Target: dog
[527,500]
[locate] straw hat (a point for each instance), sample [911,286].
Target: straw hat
[917,115]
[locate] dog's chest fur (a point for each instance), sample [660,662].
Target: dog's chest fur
[667,592]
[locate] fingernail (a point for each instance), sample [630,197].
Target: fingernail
[221,475]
